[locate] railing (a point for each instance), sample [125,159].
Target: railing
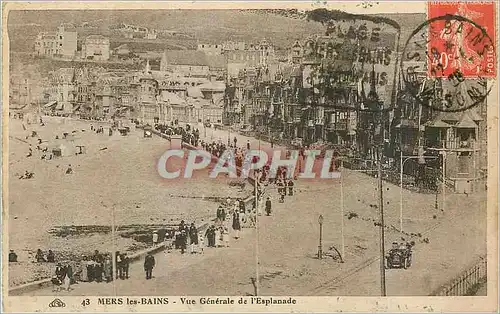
[470,144]
[466,282]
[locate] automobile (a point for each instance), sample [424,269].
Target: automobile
[399,257]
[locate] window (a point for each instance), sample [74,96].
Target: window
[60,37]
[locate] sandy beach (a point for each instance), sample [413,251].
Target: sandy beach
[114,172]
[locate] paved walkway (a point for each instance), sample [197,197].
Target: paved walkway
[288,242]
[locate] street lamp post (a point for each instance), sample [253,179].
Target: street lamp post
[444,180]
[320,246]
[342,207]
[257,281]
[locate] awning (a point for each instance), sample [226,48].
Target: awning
[50,104]
[437,124]
[466,122]
[474,115]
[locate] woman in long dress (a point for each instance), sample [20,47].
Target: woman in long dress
[84,276]
[236,225]
[108,269]
[217,237]
[67,277]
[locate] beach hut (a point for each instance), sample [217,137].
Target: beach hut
[63,150]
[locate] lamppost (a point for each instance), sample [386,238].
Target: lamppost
[320,246]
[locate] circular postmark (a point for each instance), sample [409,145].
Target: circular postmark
[445,62]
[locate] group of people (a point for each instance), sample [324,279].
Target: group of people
[99,267]
[185,235]
[63,277]
[40,257]
[189,135]
[96,268]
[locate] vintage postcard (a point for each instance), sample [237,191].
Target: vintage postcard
[250,156]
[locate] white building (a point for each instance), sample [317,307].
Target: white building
[96,47]
[60,43]
[211,49]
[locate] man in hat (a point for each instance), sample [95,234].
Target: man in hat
[193,236]
[149,264]
[268,206]
[125,265]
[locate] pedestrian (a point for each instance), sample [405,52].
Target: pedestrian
[236,225]
[119,265]
[149,264]
[235,140]
[268,206]
[39,256]
[225,236]
[219,213]
[125,266]
[12,257]
[155,238]
[201,243]
[68,277]
[193,236]
[84,276]
[290,187]
[248,144]
[210,235]
[183,240]
[108,269]
[218,235]
[91,270]
[242,206]
[50,257]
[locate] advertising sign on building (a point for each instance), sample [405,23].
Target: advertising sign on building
[357,50]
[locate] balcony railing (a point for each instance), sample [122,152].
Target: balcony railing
[456,144]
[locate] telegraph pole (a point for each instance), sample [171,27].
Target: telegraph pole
[256,234]
[382,231]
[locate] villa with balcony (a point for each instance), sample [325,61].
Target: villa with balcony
[454,137]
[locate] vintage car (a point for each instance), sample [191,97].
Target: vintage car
[399,257]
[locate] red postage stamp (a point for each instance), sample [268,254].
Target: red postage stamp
[462,39]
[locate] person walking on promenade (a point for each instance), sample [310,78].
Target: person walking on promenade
[193,236]
[268,206]
[149,264]
[225,237]
[290,187]
[108,269]
[210,234]
[218,235]
[183,240]
[69,276]
[236,225]
[125,265]
[248,144]
[155,238]
[119,265]
[84,276]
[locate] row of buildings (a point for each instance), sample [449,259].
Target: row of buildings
[319,99]
[63,43]
[320,91]
[148,96]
